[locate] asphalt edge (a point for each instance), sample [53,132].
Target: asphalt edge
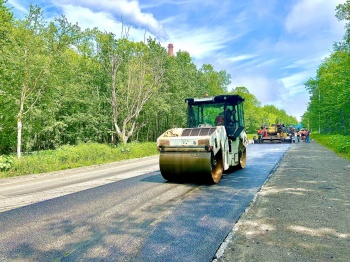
[221,249]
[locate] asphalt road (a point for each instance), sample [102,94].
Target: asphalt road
[302,212]
[128,215]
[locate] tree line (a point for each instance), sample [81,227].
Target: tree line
[329,109]
[62,85]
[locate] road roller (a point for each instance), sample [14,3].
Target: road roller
[213,143]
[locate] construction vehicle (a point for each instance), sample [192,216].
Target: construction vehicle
[214,141]
[274,133]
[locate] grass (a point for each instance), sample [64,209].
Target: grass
[339,144]
[67,157]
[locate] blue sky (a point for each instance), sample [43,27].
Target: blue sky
[272,47]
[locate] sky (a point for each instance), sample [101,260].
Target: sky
[272,47]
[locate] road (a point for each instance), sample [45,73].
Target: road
[129,213]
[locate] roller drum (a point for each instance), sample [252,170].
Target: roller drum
[191,166]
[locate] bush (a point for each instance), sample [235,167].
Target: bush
[5,163]
[338,143]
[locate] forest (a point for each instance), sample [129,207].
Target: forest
[329,109]
[60,85]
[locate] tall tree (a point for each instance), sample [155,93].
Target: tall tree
[7,121]
[26,59]
[343,13]
[329,109]
[144,76]
[135,72]
[213,82]
[34,50]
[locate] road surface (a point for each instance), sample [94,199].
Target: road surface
[129,213]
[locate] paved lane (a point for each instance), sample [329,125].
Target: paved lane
[24,190]
[141,218]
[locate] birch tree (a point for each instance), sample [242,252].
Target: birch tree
[135,72]
[26,64]
[29,58]
[144,77]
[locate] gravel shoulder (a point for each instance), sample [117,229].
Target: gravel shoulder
[302,213]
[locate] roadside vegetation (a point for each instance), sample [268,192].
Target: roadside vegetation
[65,157]
[339,144]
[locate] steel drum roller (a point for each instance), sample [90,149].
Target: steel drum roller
[180,166]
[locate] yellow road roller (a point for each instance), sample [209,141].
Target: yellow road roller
[213,142]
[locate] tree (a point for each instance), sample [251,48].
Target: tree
[329,110]
[252,109]
[343,13]
[34,50]
[26,62]
[213,82]
[135,72]
[144,76]
[7,121]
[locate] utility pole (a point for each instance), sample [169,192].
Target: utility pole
[319,110]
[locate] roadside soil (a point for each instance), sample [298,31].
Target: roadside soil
[302,212]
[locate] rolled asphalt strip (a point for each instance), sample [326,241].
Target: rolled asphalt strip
[302,212]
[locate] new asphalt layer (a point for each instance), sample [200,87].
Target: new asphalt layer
[302,213]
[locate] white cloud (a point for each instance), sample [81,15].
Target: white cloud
[265,89]
[287,93]
[88,19]
[240,58]
[103,21]
[18,6]
[203,44]
[296,80]
[128,10]
[315,17]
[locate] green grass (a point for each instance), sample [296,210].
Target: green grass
[337,143]
[67,157]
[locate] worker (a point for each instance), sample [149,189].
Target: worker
[264,131]
[260,134]
[298,136]
[219,120]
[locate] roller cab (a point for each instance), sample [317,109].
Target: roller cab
[213,141]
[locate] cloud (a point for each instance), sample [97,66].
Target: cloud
[313,17]
[88,19]
[265,89]
[129,11]
[240,58]
[295,81]
[18,6]
[286,93]
[203,44]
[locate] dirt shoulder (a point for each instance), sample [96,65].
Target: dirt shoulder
[302,213]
